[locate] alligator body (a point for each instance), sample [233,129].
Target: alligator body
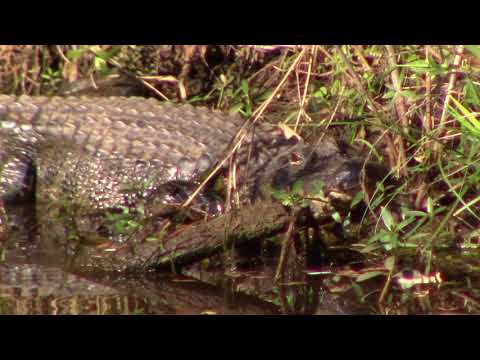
[103,154]
[97,151]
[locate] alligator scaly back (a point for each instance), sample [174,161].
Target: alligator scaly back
[94,151]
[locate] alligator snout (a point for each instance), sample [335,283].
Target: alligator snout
[341,183]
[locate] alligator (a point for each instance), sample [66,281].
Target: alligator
[113,153]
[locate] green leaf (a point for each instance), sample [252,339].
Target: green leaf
[388,246]
[471,92]
[244,86]
[389,240]
[317,189]
[106,55]
[406,222]
[378,236]
[359,293]
[99,63]
[387,218]
[430,206]
[281,196]
[423,66]
[410,94]
[369,275]
[416,64]
[358,198]
[389,263]
[413,213]
[337,217]
[74,54]
[297,187]
[236,108]
[320,93]
[370,248]
[389,95]
[468,119]
[141,208]
[380,186]
[132,224]
[474,49]
[265,95]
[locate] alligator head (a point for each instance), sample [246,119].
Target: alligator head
[324,174]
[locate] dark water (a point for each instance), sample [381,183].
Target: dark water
[29,288]
[40,288]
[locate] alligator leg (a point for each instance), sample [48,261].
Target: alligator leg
[16,182]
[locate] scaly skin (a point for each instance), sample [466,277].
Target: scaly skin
[108,153]
[93,149]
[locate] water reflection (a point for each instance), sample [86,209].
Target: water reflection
[32,284]
[40,289]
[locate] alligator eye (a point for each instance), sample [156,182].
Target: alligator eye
[295,159]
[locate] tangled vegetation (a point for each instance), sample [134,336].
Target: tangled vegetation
[412,108]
